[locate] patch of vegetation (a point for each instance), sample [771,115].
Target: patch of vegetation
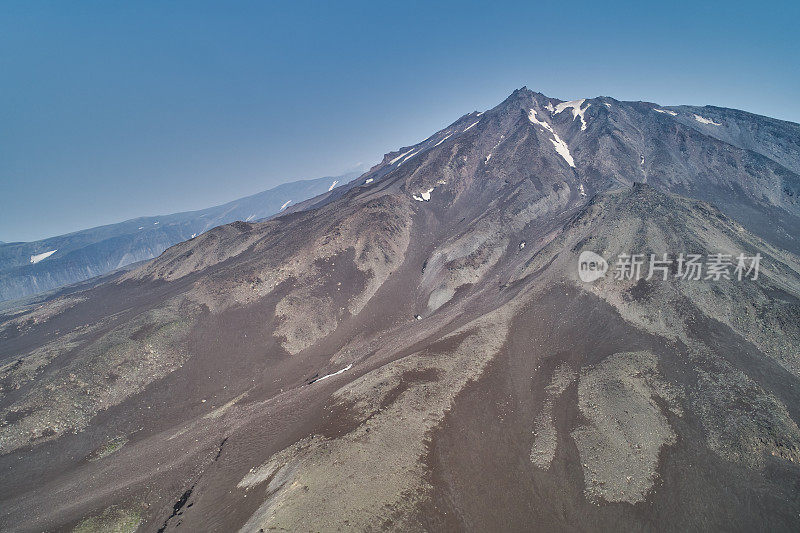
[112,520]
[108,448]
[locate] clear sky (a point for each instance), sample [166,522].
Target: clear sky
[111,110]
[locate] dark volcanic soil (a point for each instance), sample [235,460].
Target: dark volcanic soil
[418,352]
[482,477]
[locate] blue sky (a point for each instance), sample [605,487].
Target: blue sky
[111,110]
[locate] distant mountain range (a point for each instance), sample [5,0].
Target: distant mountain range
[29,268]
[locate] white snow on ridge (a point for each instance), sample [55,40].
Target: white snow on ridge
[40,257]
[443,140]
[284,205]
[607,105]
[393,161]
[345,369]
[576,110]
[407,158]
[560,146]
[704,120]
[369,180]
[534,120]
[470,126]
[332,186]
[666,111]
[550,107]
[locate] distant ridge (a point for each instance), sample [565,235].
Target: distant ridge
[30,268]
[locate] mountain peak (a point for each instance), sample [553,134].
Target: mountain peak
[525,98]
[370,321]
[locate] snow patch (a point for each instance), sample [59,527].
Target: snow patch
[345,369]
[155,223]
[407,158]
[562,149]
[369,180]
[550,107]
[666,111]
[194,235]
[468,127]
[534,120]
[560,146]
[443,140]
[423,196]
[704,120]
[488,157]
[582,190]
[141,227]
[332,186]
[607,105]
[396,159]
[575,105]
[285,204]
[40,257]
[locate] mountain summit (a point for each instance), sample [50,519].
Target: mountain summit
[418,349]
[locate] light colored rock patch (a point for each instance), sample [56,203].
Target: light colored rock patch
[275,472]
[563,376]
[278,489]
[440,296]
[466,270]
[208,249]
[355,482]
[463,261]
[21,370]
[219,411]
[304,321]
[467,259]
[378,234]
[545,436]
[767,321]
[619,447]
[745,424]
[105,372]
[549,203]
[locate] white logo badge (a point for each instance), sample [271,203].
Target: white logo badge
[591,266]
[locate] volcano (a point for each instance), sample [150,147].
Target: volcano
[418,350]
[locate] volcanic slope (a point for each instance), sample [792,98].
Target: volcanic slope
[416,351]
